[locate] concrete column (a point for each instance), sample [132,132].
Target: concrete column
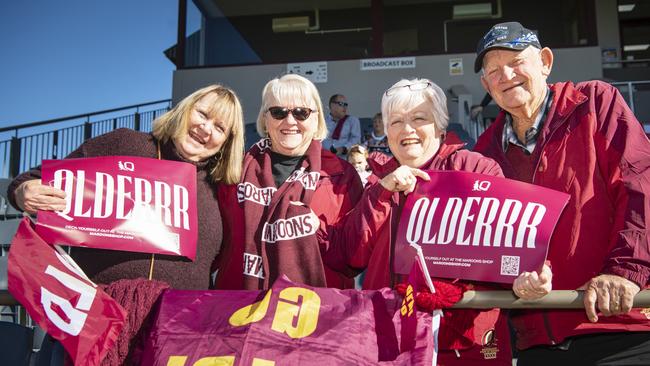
[607,26]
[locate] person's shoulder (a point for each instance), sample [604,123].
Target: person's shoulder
[122,141]
[120,134]
[594,84]
[475,162]
[590,88]
[332,165]
[468,155]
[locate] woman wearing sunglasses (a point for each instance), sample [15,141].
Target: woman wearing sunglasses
[415,118]
[291,193]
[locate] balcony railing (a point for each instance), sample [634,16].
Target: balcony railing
[637,96]
[25,146]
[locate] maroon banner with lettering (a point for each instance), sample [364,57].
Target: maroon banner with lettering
[290,324]
[61,299]
[477,227]
[123,203]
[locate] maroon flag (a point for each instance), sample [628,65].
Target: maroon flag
[61,299]
[123,203]
[416,280]
[289,324]
[477,227]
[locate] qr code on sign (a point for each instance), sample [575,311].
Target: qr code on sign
[509,265]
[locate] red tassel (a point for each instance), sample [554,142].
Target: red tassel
[446,295]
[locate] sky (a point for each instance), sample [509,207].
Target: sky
[61,58]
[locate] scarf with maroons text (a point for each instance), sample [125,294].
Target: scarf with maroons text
[280,227]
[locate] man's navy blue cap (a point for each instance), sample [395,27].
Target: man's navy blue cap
[509,36]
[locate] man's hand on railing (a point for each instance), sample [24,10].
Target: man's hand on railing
[32,196]
[613,294]
[533,285]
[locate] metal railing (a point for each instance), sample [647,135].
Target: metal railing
[25,146]
[556,299]
[637,96]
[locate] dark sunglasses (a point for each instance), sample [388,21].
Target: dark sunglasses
[341,104]
[299,113]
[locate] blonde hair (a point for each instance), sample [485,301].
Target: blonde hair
[358,149]
[403,98]
[174,124]
[290,88]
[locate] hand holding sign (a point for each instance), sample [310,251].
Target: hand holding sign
[477,227]
[119,203]
[403,179]
[32,196]
[533,285]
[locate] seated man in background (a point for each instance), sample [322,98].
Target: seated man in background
[344,130]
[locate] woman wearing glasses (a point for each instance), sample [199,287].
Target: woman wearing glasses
[415,118]
[291,192]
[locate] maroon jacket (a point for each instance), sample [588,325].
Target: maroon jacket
[376,217]
[592,147]
[338,191]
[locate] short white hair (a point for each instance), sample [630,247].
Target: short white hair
[403,98]
[292,88]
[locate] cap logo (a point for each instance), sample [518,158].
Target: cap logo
[528,38]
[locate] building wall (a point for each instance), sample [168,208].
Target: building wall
[363,89]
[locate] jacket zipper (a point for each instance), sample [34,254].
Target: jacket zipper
[547,324]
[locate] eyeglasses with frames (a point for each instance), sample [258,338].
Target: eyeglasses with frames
[420,85]
[299,113]
[341,104]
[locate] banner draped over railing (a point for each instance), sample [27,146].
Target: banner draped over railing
[290,324]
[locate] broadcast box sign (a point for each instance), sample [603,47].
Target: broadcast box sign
[477,227]
[123,203]
[387,63]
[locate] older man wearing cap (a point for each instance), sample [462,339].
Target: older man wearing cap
[581,139]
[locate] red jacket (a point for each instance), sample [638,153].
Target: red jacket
[592,147]
[338,191]
[376,217]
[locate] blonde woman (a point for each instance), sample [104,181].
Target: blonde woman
[205,129]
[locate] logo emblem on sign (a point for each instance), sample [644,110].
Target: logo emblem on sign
[127,165]
[481,185]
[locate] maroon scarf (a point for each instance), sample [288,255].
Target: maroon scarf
[280,228]
[339,127]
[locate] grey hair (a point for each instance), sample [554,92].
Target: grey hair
[404,98]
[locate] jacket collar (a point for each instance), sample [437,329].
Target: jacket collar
[566,98]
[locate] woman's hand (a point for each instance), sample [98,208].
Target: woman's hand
[32,196]
[403,179]
[533,285]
